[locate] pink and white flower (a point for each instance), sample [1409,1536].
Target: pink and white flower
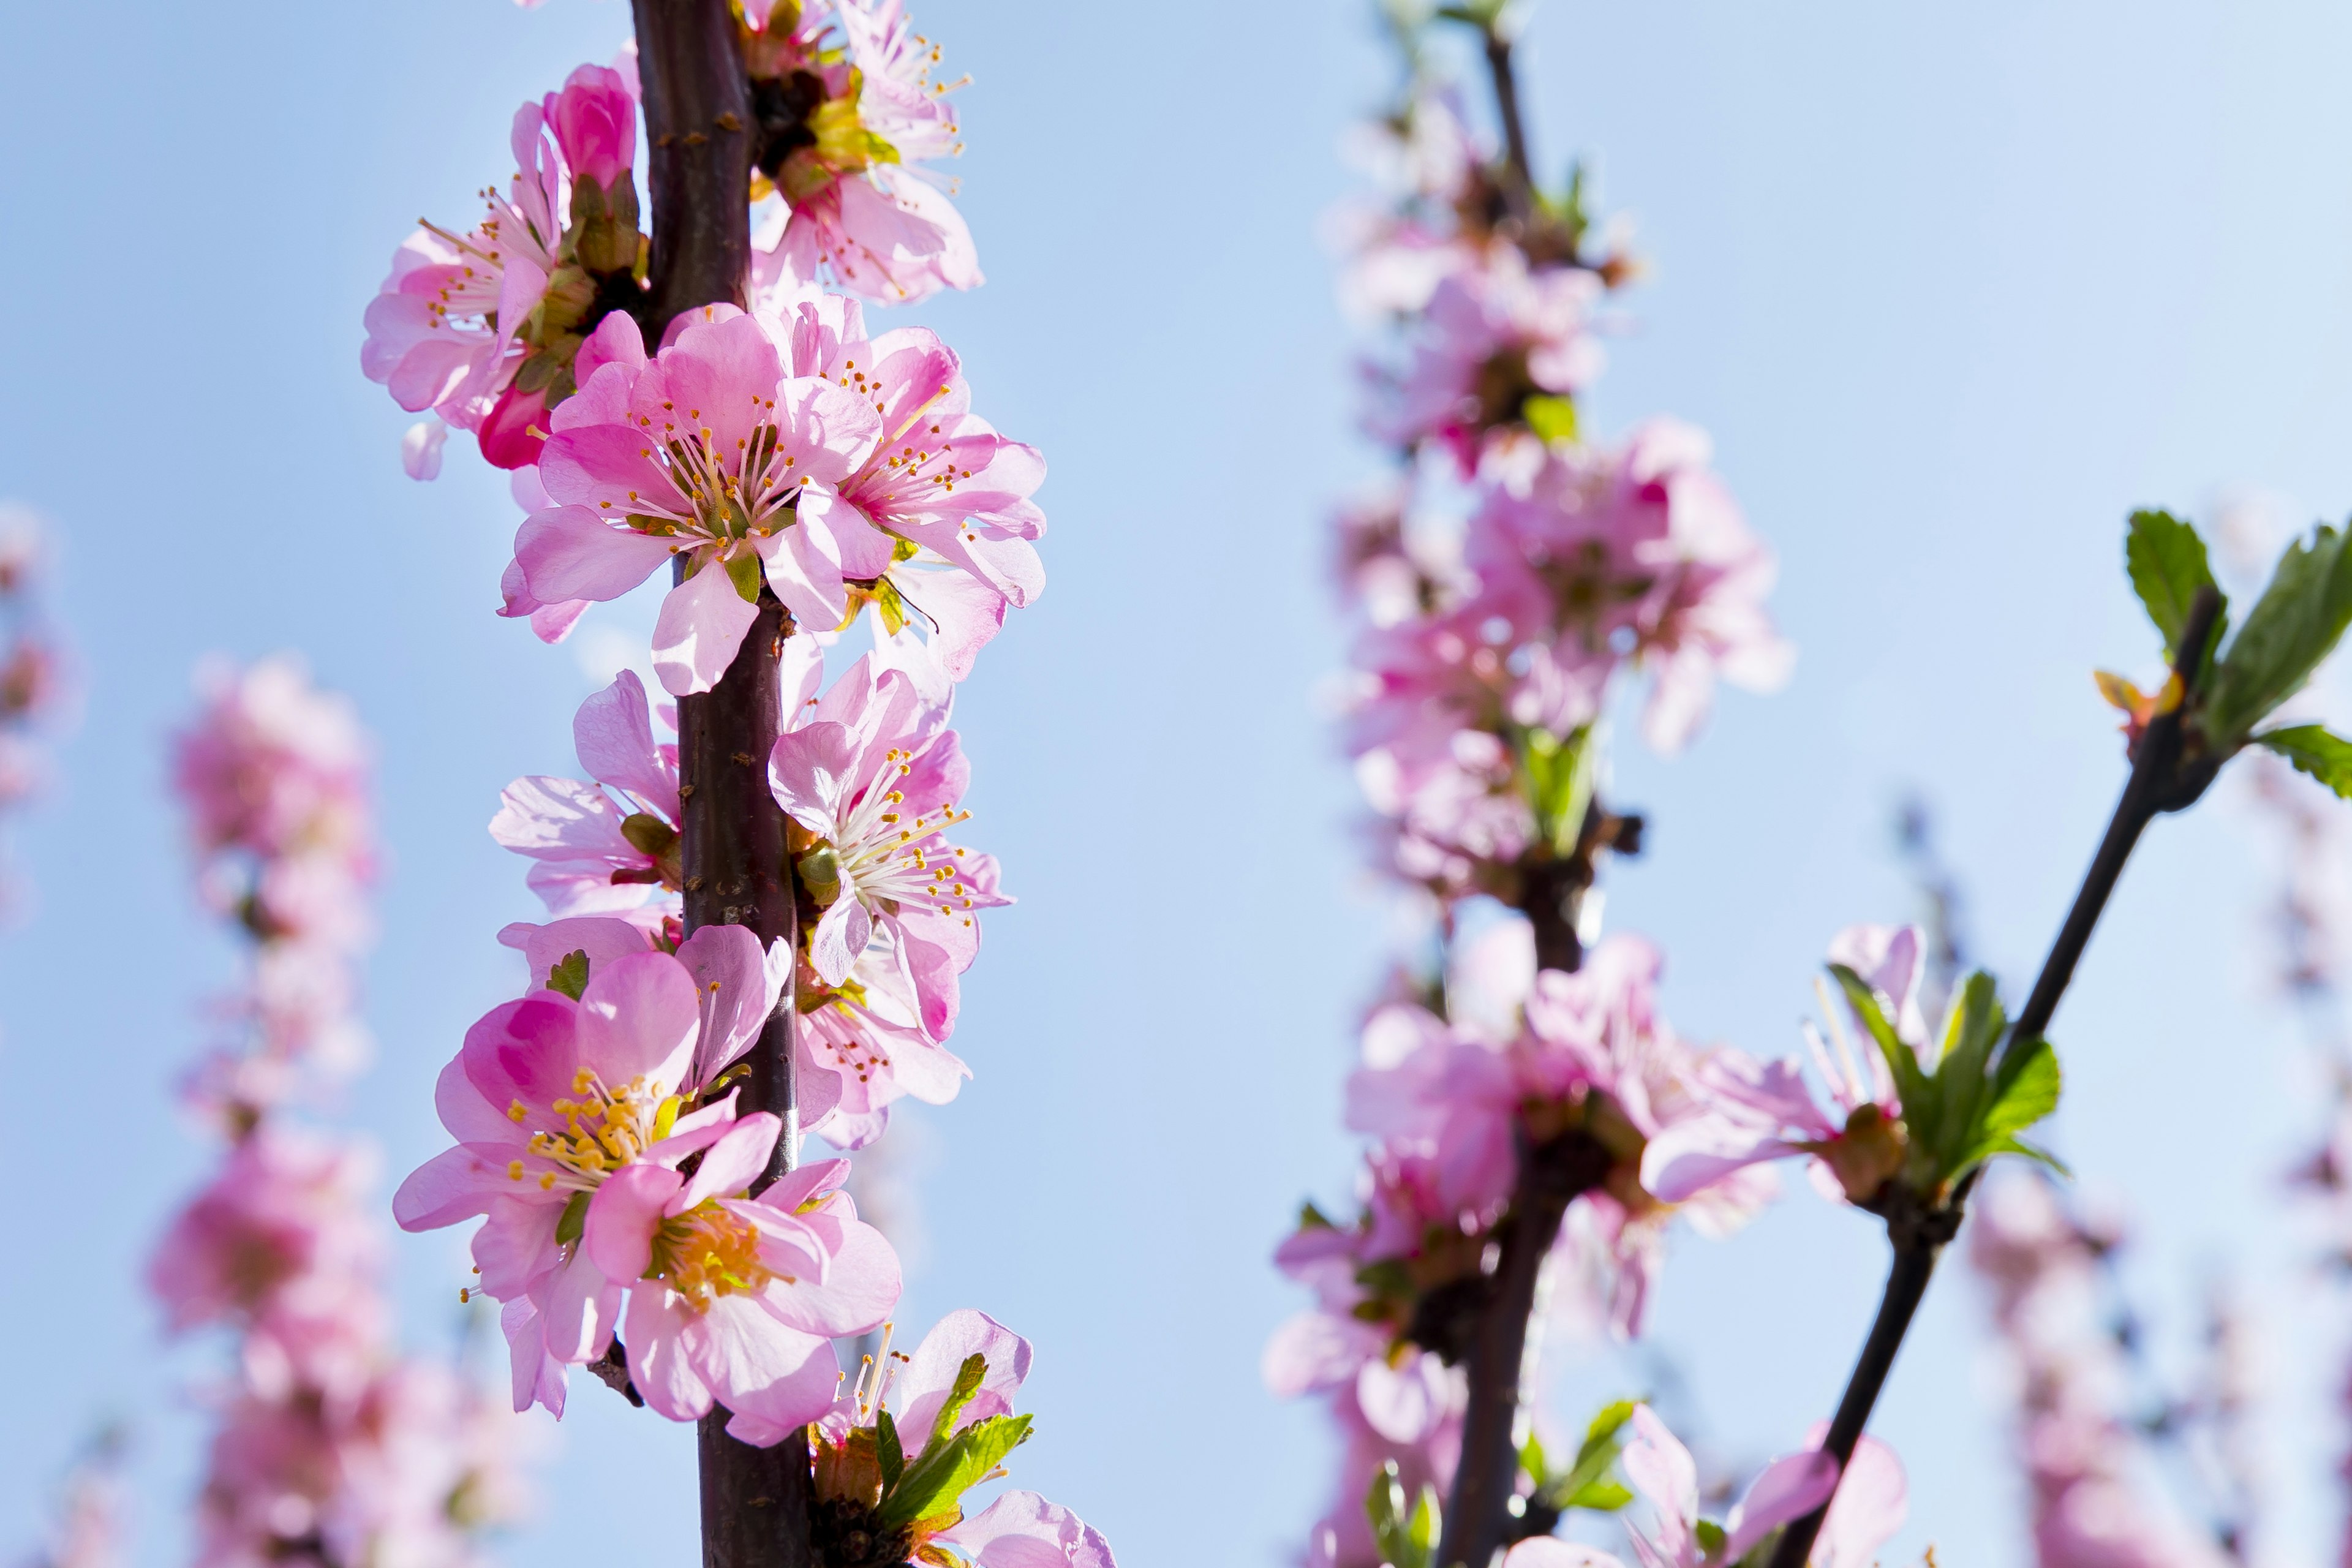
[711,454]
[613,844]
[1872,1499]
[848,114]
[1495,332]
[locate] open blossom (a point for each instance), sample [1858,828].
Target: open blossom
[1869,1507]
[867,1513]
[1769,1113]
[479,330]
[710,452]
[273,767]
[871,777]
[1495,333]
[950,494]
[1634,554]
[846,116]
[612,845]
[734,1298]
[558,1103]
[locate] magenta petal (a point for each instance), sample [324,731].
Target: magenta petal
[638,1018]
[699,631]
[730,1165]
[570,553]
[626,1210]
[811,771]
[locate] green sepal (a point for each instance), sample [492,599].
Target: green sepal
[648,833]
[969,1377]
[1551,417]
[569,974]
[743,570]
[1560,774]
[2314,750]
[1406,1538]
[889,1455]
[943,1472]
[572,1223]
[820,873]
[2296,624]
[1601,1496]
[1710,1535]
[2168,564]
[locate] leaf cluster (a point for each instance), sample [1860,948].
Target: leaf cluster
[2297,623]
[1975,1098]
[1586,1483]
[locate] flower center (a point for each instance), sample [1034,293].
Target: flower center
[720,496]
[708,1252]
[887,854]
[603,1130]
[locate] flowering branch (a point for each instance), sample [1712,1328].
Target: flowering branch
[2164,778]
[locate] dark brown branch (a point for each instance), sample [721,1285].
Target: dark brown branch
[755,1502]
[1551,1177]
[612,1369]
[1520,182]
[2163,778]
[698,153]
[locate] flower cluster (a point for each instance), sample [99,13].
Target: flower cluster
[331,1446]
[847,114]
[1519,1065]
[1514,570]
[33,688]
[2079,1451]
[641,1212]
[870,776]
[482,328]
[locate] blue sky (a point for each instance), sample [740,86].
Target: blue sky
[1954,291]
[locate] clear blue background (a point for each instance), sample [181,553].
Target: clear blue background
[1953,292]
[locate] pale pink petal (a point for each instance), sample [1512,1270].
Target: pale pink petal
[623,1216]
[699,631]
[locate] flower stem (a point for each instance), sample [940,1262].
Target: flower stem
[2154,786]
[755,1502]
[1521,168]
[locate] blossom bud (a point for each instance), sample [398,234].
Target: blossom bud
[596,123]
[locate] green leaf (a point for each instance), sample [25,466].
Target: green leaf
[1593,1456]
[945,1472]
[1710,1536]
[1384,1506]
[2024,1090]
[967,1383]
[1531,1460]
[569,974]
[1971,1029]
[1603,1496]
[2168,565]
[2294,625]
[1910,1083]
[888,1453]
[2314,750]
[1551,418]
[1421,1530]
[2033,1151]
[1560,775]
[743,570]
[1313,1218]
[572,1223]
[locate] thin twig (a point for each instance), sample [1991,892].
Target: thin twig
[2156,786]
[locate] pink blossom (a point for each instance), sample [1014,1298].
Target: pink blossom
[1021,1530]
[608,846]
[1872,1499]
[871,775]
[948,495]
[595,120]
[273,767]
[1633,554]
[847,123]
[710,452]
[1765,1111]
[1495,333]
[734,1298]
[442,328]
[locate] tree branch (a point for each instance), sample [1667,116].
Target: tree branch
[1520,184]
[755,1502]
[2162,779]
